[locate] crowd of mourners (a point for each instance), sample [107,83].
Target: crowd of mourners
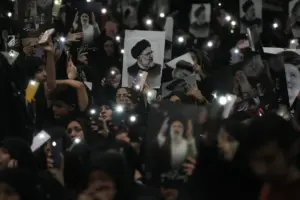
[75,138]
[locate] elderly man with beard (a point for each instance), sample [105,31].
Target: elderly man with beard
[176,144]
[143,53]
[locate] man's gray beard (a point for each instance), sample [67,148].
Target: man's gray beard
[176,138]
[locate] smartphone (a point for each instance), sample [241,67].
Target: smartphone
[56,150]
[31,90]
[140,80]
[44,37]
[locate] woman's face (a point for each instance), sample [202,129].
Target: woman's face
[109,48]
[292,80]
[106,113]
[84,18]
[250,13]
[114,76]
[41,74]
[75,130]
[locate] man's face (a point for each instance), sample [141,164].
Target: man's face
[146,57]
[4,158]
[177,128]
[201,17]
[41,74]
[292,79]
[122,97]
[269,163]
[250,13]
[181,73]
[84,19]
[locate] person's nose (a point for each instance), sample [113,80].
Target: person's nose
[73,134]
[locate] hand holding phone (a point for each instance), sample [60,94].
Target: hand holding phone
[56,152]
[44,37]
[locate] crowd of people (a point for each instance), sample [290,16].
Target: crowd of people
[70,131]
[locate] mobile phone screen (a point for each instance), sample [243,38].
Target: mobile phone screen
[56,150]
[31,90]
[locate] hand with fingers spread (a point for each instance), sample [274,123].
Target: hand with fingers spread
[189,166]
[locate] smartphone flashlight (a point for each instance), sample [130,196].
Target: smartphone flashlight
[275,25]
[138,87]
[77,140]
[119,108]
[236,51]
[103,10]
[11,54]
[93,111]
[112,72]
[162,15]
[62,39]
[222,100]
[132,118]
[228,18]
[149,93]
[180,39]
[118,38]
[149,22]
[233,23]
[210,44]
[54,144]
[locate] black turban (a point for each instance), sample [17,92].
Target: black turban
[247,5]
[139,47]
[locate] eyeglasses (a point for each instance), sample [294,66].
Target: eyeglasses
[148,54]
[76,129]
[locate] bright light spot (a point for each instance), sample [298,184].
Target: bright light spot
[118,38]
[32,82]
[11,54]
[54,144]
[88,1]
[229,98]
[215,95]
[220,4]
[275,25]
[233,23]
[162,15]
[180,39]
[113,72]
[293,41]
[122,51]
[231,31]
[228,18]
[132,118]
[93,111]
[149,22]
[62,39]
[41,135]
[222,100]
[119,108]
[9,14]
[56,2]
[260,114]
[149,93]
[137,87]
[236,51]
[210,44]
[141,74]
[103,10]
[77,140]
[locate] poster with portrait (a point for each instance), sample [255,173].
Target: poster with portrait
[183,75]
[172,139]
[293,22]
[199,20]
[169,38]
[35,16]
[86,21]
[250,14]
[143,51]
[291,61]
[251,82]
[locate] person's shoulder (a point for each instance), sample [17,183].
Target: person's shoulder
[133,68]
[156,68]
